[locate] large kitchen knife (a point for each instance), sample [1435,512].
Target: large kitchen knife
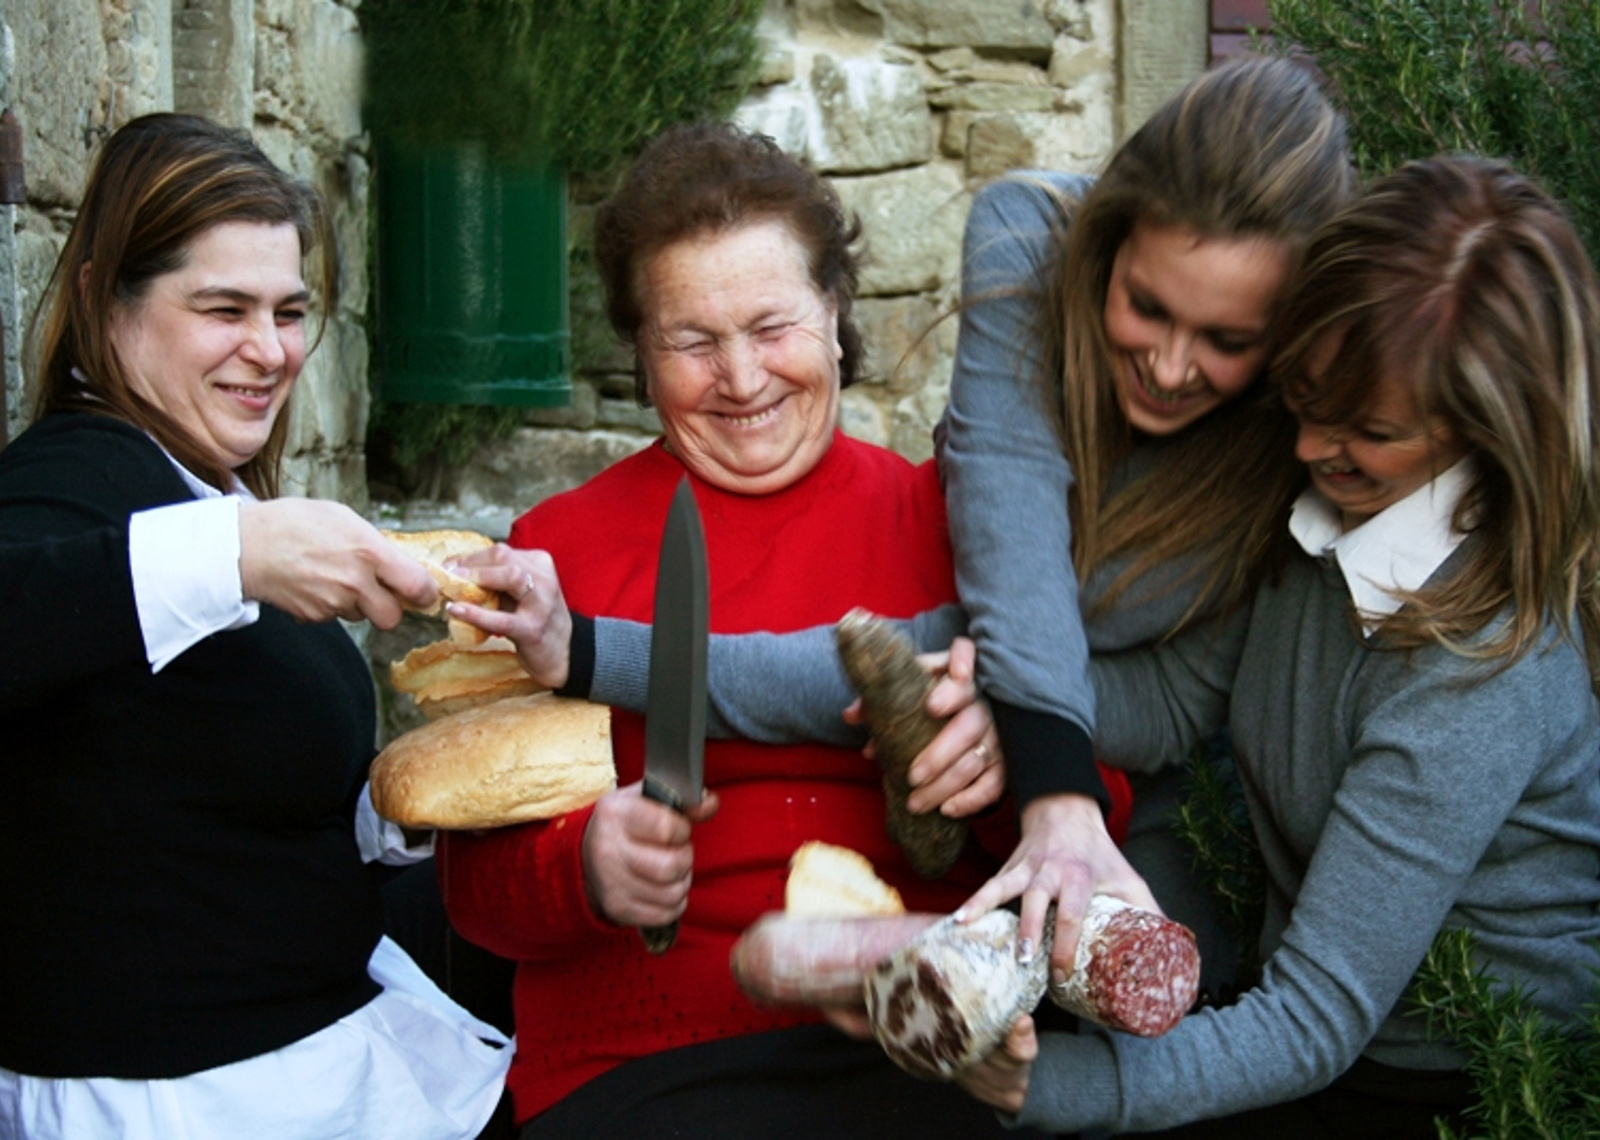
[675,706]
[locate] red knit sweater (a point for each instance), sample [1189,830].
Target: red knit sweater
[864,528]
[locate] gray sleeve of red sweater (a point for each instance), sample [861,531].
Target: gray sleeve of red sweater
[775,688]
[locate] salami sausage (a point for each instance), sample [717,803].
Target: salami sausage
[882,667]
[1135,970]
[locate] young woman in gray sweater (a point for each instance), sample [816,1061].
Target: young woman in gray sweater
[1412,700]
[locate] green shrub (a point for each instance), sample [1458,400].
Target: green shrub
[1513,80]
[1533,1081]
[579,83]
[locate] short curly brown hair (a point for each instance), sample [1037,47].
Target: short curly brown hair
[707,178]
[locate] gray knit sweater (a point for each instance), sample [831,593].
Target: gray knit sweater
[1392,793]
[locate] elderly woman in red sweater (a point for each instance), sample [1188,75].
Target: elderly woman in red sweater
[729,266]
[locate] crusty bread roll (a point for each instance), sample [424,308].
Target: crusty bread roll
[445,677]
[827,881]
[433,548]
[508,762]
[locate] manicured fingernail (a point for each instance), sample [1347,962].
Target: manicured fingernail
[1058,978]
[960,916]
[1025,951]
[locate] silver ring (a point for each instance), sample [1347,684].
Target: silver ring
[527,586]
[982,753]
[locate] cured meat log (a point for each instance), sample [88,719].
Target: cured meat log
[1135,970]
[947,999]
[941,1004]
[942,995]
[882,666]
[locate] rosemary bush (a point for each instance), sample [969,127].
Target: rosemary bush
[577,83]
[1533,1079]
[1511,79]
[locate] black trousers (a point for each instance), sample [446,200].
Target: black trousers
[809,1083]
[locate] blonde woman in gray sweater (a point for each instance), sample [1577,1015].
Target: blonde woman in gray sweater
[1412,701]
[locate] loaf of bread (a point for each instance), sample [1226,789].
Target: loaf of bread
[446,677]
[510,761]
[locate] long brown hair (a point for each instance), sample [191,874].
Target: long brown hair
[1250,149]
[1462,278]
[158,183]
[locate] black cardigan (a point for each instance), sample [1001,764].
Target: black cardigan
[179,882]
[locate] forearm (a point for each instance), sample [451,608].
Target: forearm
[1006,483]
[1159,701]
[519,891]
[776,688]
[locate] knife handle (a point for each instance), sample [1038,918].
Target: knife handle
[659,939]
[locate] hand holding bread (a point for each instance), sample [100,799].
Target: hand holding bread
[507,593]
[317,560]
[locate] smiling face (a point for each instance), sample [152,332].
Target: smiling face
[217,343]
[1387,452]
[741,352]
[1186,321]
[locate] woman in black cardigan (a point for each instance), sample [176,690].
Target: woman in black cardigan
[191,942]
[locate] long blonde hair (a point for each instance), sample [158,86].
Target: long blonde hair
[1464,279]
[1250,149]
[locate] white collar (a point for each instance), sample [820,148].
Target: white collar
[198,486]
[1395,551]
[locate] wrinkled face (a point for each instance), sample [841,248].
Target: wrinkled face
[741,355]
[217,344]
[1186,320]
[1386,453]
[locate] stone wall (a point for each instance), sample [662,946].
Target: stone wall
[908,106]
[288,70]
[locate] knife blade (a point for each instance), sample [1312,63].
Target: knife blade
[675,703]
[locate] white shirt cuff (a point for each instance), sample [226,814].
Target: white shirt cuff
[185,564]
[381,841]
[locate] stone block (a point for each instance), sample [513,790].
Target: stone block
[330,404]
[912,220]
[953,134]
[60,91]
[1078,61]
[138,56]
[861,418]
[1076,141]
[308,66]
[994,97]
[872,114]
[507,477]
[905,339]
[784,114]
[1020,26]
[1163,45]
[213,59]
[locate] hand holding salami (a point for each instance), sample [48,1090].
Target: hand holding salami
[941,995]
[883,669]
